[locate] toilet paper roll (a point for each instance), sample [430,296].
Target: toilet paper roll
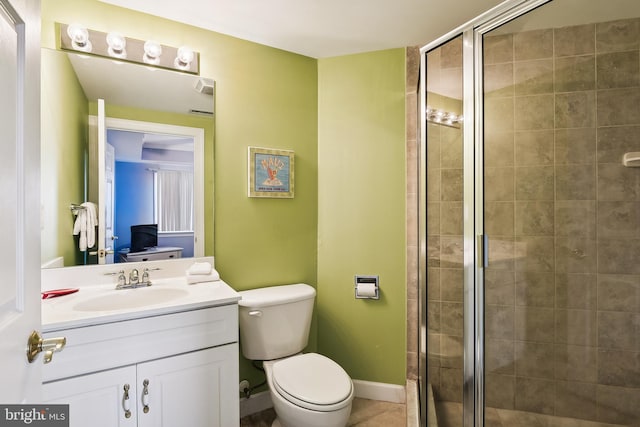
[366,290]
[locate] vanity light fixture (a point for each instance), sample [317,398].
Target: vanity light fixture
[76,37]
[79,37]
[442,117]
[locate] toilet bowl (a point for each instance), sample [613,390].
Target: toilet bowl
[309,390]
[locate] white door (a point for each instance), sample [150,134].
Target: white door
[20,189]
[109,193]
[106,173]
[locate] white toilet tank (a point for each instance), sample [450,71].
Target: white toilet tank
[275,321]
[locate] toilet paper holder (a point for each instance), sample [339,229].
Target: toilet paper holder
[367,287]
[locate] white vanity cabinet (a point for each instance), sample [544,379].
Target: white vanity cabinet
[182,367]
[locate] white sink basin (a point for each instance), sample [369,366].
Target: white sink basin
[130,298]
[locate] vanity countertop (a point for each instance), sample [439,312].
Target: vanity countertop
[96,304]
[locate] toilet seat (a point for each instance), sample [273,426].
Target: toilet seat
[312,381]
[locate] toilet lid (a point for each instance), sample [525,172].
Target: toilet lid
[313,381]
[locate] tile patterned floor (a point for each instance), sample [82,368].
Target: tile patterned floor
[364,413]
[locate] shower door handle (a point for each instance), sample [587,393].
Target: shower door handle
[483,250]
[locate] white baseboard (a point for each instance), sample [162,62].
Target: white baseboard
[363,389]
[256,403]
[380,391]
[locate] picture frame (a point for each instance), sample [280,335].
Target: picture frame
[271,172]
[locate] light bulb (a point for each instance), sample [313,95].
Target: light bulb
[184,57]
[152,52]
[79,36]
[117,44]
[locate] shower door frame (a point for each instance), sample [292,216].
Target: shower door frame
[475,256]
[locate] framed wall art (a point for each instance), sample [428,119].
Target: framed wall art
[271,173]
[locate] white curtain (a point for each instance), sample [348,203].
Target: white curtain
[174,200]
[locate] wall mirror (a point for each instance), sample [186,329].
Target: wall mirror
[153,139]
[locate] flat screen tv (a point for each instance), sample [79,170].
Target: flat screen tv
[143,236]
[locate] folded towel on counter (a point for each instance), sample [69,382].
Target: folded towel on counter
[200,268]
[199,278]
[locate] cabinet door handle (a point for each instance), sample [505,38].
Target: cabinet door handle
[126,405]
[145,396]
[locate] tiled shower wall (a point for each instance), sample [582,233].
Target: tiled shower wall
[562,292]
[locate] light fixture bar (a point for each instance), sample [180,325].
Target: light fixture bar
[76,38]
[442,117]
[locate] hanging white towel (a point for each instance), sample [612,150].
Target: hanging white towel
[85,226]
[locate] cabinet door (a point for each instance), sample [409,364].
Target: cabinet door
[96,400]
[198,389]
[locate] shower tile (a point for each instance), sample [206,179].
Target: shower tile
[451,284]
[617,183]
[618,69]
[451,384]
[618,405]
[498,49]
[576,255]
[618,256]
[537,254]
[619,368]
[433,218]
[575,109]
[575,145]
[433,343]
[534,183]
[411,116]
[534,112]
[451,252]
[452,349]
[498,218]
[433,284]
[614,142]
[575,218]
[617,330]
[500,391]
[619,220]
[535,289]
[499,357]
[534,44]
[451,184]
[617,292]
[433,147]
[499,184]
[618,107]
[576,400]
[451,318]
[576,182]
[575,73]
[498,80]
[535,395]
[576,327]
[533,77]
[534,324]
[451,219]
[498,115]
[576,363]
[534,148]
[502,252]
[451,54]
[499,149]
[433,316]
[534,359]
[499,286]
[575,290]
[451,148]
[433,251]
[412,325]
[433,185]
[574,40]
[616,36]
[534,218]
[499,322]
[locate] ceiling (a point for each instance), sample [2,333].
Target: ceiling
[321,28]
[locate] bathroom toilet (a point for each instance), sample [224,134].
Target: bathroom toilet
[307,390]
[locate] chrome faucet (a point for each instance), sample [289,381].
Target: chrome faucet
[134,279]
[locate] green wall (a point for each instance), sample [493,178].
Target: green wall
[63,148]
[344,118]
[361,216]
